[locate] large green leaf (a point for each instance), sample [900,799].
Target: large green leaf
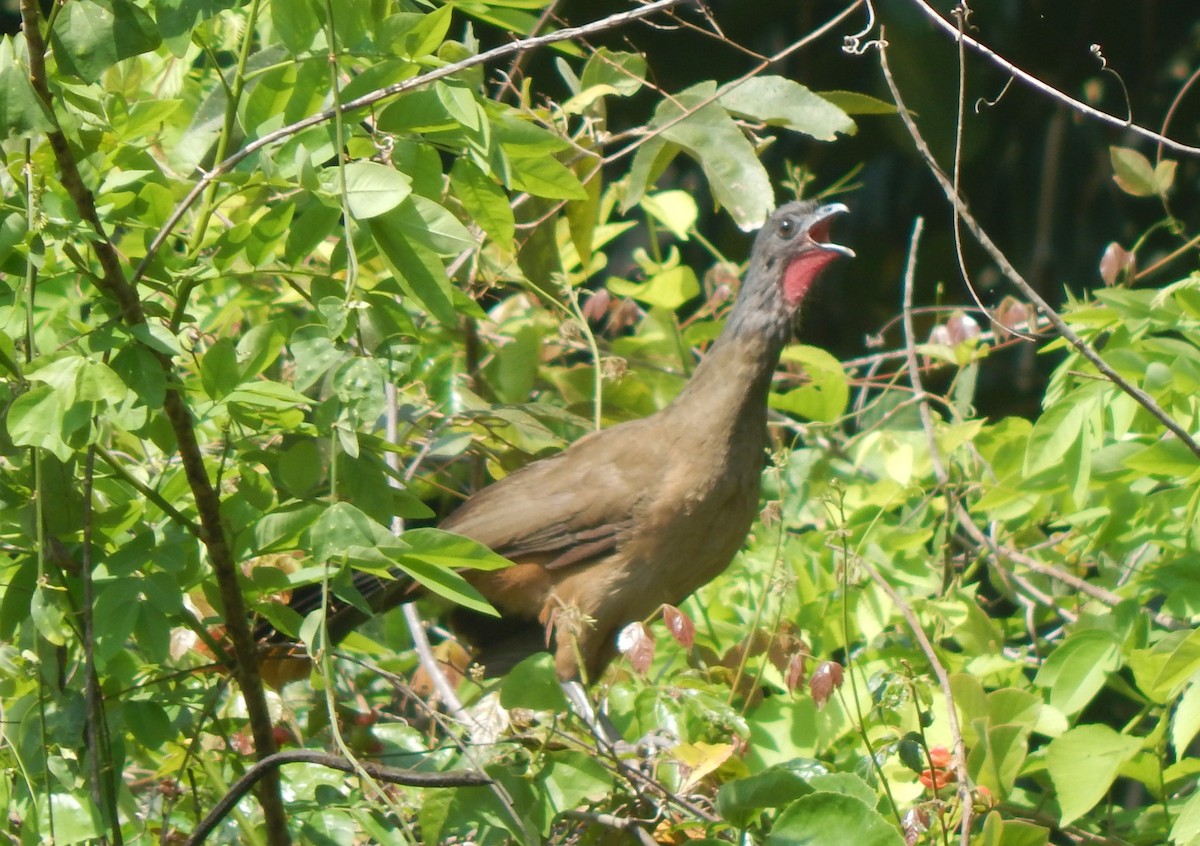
[92,35]
[371,188]
[825,396]
[782,102]
[416,267]
[22,111]
[485,201]
[1078,668]
[832,819]
[697,123]
[1083,763]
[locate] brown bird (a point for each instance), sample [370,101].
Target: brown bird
[645,512]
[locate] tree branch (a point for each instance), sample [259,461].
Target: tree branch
[113,283]
[1047,89]
[1144,399]
[270,765]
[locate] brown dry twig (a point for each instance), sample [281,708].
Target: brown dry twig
[381,772]
[939,469]
[1047,89]
[1006,268]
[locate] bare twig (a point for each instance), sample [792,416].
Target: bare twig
[1006,268]
[939,469]
[381,772]
[1047,89]
[1070,579]
[628,825]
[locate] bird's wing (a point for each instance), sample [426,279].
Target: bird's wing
[570,508]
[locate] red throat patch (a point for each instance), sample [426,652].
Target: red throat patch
[802,272]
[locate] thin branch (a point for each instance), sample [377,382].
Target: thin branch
[628,825]
[1070,579]
[378,95]
[1006,268]
[939,469]
[1047,89]
[381,772]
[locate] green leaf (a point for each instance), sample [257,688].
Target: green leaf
[545,177]
[571,779]
[296,24]
[831,819]
[533,684]
[521,138]
[607,73]
[1185,831]
[825,397]
[97,382]
[1183,662]
[92,35]
[460,103]
[264,394]
[417,269]
[1164,175]
[1166,457]
[35,419]
[447,549]
[425,222]
[283,528]
[741,801]
[177,19]
[624,73]
[372,189]
[341,527]
[359,385]
[423,35]
[442,581]
[1185,721]
[778,101]
[998,757]
[1083,763]
[1058,429]
[485,201]
[675,210]
[1077,670]
[49,615]
[263,108]
[219,372]
[695,123]
[998,831]
[75,818]
[22,112]
[314,353]
[669,289]
[855,103]
[417,111]
[1133,172]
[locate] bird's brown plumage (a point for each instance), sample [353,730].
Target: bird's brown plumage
[647,511]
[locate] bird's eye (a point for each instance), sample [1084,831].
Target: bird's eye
[787,228]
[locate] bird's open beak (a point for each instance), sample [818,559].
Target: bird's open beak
[818,230]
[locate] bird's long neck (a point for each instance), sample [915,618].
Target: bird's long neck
[732,381]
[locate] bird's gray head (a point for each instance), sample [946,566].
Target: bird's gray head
[790,251]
